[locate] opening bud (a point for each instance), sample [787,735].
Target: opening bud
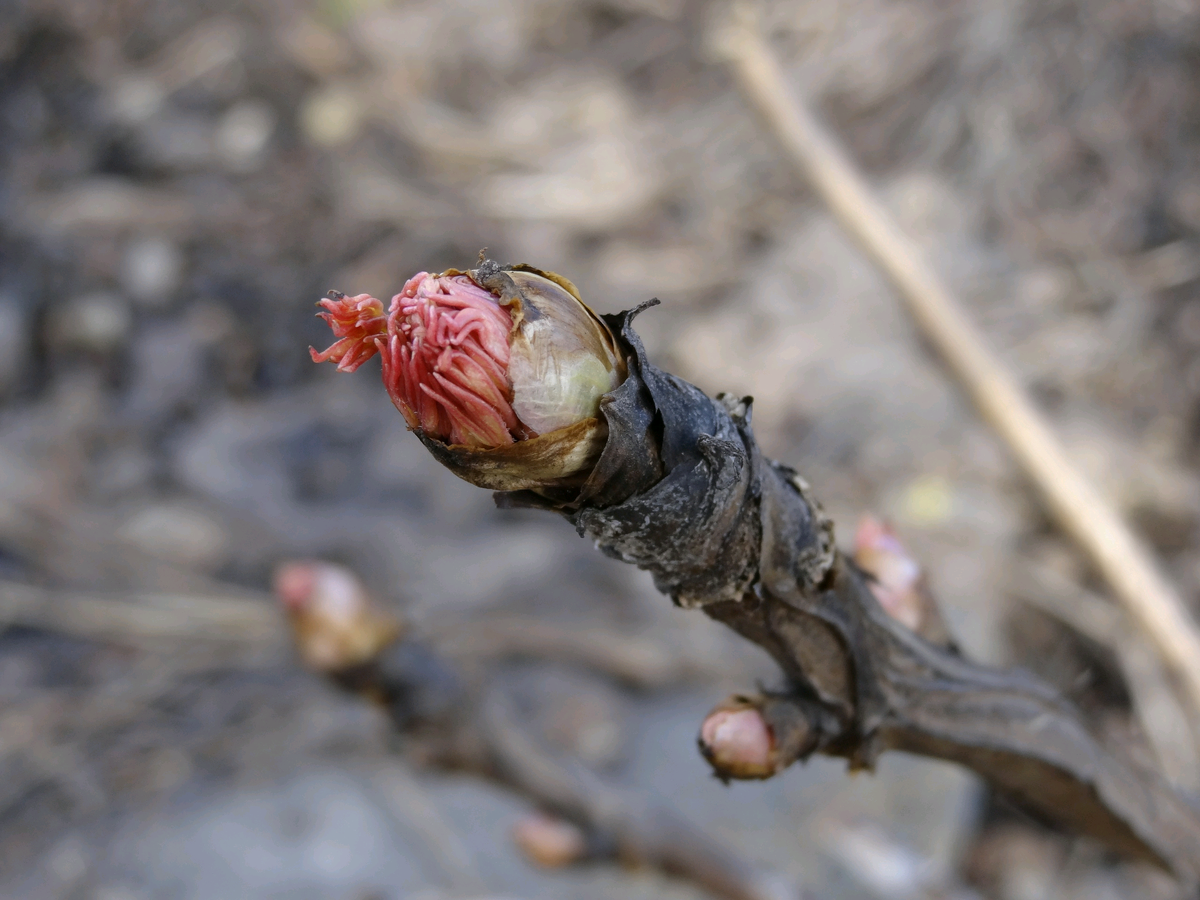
[499,370]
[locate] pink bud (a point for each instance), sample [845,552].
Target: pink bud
[549,841]
[479,360]
[334,622]
[359,322]
[738,743]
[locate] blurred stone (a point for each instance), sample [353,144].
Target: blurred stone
[576,713]
[97,323]
[168,768]
[152,270]
[134,98]
[1045,287]
[332,116]
[117,892]
[121,471]
[877,862]
[68,861]
[168,370]
[367,192]
[1169,266]
[179,533]
[210,321]
[1191,377]
[26,113]
[635,269]
[318,49]
[928,500]
[1187,324]
[1147,484]
[319,832]
[173,140]
[548,841]
[596,186]
[1018,864]
[663,9]
[198,52]
[243,134]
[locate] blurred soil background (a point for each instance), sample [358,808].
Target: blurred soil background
[183,179]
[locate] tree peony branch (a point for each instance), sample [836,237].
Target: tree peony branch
[678,487]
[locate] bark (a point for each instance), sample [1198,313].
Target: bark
[681,490]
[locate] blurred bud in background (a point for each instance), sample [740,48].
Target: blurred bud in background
[898,581]
[335,623]
[549,841]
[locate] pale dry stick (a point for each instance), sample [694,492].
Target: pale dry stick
[142,617]
[1155,704]
[1120,556]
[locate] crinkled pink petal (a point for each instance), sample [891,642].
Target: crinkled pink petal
[445,361]
[445,352]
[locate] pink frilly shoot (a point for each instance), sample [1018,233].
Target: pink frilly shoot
[480,367]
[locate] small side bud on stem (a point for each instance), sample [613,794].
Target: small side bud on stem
[737,741]
[756,737]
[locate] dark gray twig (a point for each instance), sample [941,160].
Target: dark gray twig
[724,529]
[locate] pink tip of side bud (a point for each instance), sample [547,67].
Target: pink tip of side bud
[293,584]
[549,841]
[878,550]
[738,743]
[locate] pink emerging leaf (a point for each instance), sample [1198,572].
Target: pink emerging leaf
[358,321]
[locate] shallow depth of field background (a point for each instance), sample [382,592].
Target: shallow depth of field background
[182,179]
